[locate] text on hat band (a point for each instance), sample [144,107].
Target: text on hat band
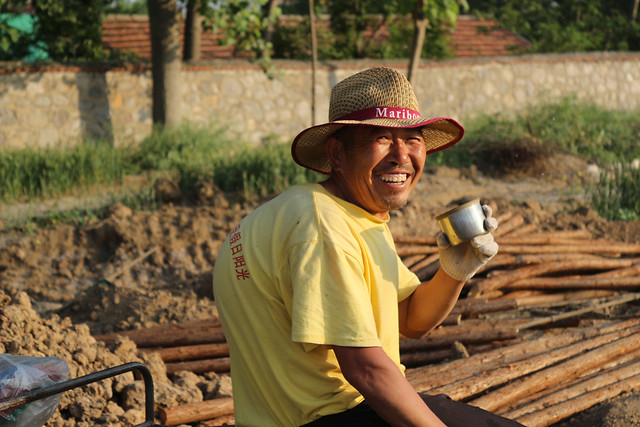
[398,113]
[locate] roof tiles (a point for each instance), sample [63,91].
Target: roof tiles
[472,37]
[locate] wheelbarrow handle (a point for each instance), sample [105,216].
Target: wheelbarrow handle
[63,386]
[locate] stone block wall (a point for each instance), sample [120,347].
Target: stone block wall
[69,105]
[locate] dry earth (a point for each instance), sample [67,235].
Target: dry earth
[53,297]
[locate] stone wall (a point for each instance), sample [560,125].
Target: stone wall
[66,105]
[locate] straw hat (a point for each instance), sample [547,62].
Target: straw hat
[377,97]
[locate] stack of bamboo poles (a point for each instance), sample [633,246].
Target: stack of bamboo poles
[492,350]
[542,381]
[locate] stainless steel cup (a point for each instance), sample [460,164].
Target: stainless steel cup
[462,223]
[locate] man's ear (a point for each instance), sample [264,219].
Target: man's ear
[335,153]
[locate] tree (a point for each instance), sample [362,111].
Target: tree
[243,24]
[567,26]
[192,31]
[429,13]
[166,61]
[72,29]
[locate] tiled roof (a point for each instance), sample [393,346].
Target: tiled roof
[480,37]
[472,37]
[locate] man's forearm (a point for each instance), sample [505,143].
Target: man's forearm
[383,386]
[429,305]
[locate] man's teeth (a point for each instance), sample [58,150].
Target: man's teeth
[394,178]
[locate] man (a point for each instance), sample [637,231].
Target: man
[311,292]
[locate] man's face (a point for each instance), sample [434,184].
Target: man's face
[379,167]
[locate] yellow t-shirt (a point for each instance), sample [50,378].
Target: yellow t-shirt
[302,272]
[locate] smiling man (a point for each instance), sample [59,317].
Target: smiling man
[311,292]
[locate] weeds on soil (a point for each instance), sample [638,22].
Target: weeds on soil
[617,196]
[585,130]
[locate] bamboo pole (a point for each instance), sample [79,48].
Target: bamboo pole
[555,413]
[425,262]
[483,371]
[505,333]
[612,249]
[509,277]
[416,250]
[220,364]
[561,234]
[547,299]
[190,352]
[579,282]
[444,373]
[564,393]
[411,260]
[503,217]
[574,313]
[569,368]
[634,270]
[511,224]
[521,231]
[517,260]
[194,412]
[591,376]
[472,310]
[414,240]
[169,336]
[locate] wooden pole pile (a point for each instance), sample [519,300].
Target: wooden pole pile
[493,349]
[540,382]
[531,260]
[198,346]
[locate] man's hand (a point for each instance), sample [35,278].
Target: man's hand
[462,261]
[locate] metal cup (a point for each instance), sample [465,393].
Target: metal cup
[462,223]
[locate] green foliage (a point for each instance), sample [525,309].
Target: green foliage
[72,29]
[242,24]
[267,170]
[128,7]
[566,26]
[617,195]
[586,130]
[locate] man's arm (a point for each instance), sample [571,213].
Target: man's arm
[432,301]
[429,305]
[385,389]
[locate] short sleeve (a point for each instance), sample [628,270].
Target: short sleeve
[331,301]
[408,281]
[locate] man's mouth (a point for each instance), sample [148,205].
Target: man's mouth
[394,178]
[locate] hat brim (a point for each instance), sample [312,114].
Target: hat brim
[309,147]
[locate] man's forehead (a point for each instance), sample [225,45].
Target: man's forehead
[371,130]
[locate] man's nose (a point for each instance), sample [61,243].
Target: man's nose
[398,152]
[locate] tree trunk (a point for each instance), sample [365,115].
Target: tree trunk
[192,32]
[420,24]
[165,61]
[314,60]
[267,12]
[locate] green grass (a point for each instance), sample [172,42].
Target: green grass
[54,172]
[617,195]
[189,154]
[594,133]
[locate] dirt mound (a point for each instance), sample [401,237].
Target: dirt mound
[116,400]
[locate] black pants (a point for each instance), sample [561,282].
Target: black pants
[452,413]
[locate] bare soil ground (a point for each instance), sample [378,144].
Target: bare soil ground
[158,269]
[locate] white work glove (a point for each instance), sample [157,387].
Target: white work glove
[463,260]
